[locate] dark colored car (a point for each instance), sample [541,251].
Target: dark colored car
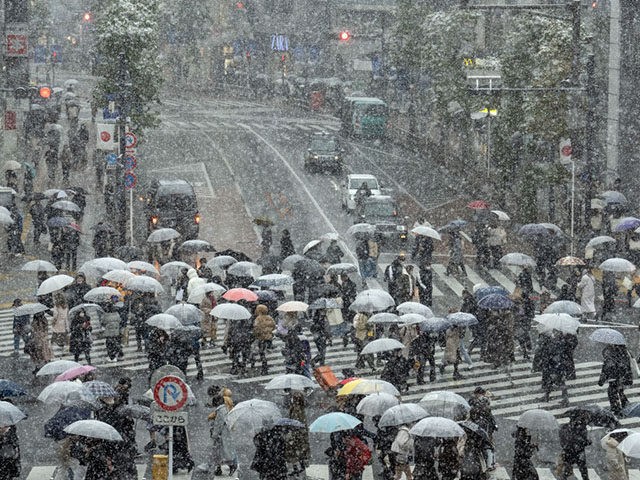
[382,211]
[324,154]
[172,204]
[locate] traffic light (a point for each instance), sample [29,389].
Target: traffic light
[87,17]
[344,36]
[21,92]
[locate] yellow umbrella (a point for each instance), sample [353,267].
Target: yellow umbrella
[346,389]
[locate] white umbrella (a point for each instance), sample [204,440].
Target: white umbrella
[600,240]
[518,259]
[310,245]
[142,267]
[375,404]
[603,440]
[290,381]
[93,429]
[384,318]
[445,404]
[30,309]
[557,321]
[103,265]
[162,235]
[5,219]
[437,427]
[198,293]
[273,280]
[55,283]
[402,414]
[414,307]
[65,205]
[361,229]
[222,261]
[195,246]
[293,306]
[10,414]
[537,419]
[186,314]
[245,269]
[608,336]
[64,392]
[249,416]
[501,215]
[630,446]
[101,294]
[118,276]
[56,367]
[619,265]
[382,345]
[462,319]
[231,311]
[12,165]
[172,269]
[39,266]
[412,319]
[372,300]
[426,232]
[143,283]
[564,306]
[339,268]
[164,321]
[88,308]
[290,262]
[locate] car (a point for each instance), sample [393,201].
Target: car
[7,197]
[351,186]
[324,154]
[172,204]
[382,211]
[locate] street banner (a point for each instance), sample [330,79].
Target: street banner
[106,136]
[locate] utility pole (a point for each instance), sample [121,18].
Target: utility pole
[124,84]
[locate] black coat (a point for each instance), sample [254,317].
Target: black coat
[10,460]
[268,460]
[523,468]
[574,438]
[616,365]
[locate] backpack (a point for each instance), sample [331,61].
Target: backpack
[357,454]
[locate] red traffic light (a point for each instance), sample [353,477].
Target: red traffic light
[344,36]
[44,92]
[86,16]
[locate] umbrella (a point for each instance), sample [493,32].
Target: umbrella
[478,205]
[142,267]
[312,244]
[249,416]
[564,306]
[558,321]
[55,283]
[608,336]
[627,223]
[245,269]
[308,267]
[54,427]
[462,319]
[239,256]
[164,321]
[231,311]
[71,82]
[222,261]
[612,196]
[630,446]
[495,301]
[105,264]
[293,306]
[425,231]
[340,268]
[501,215]
[101,227]
[361,229]
[414,307]
[368,386]
[434,325]
[101,389]
[334,422]
[375,404]
[162,235]
[273,280]
[64,392]
[65,205]
[128,253]
[268,296]
[619,265]
[10,414]
[384,318]
[289,423]
[143,284]
[472,427]
[619,434]
[29,309]
[533,229]
[372,300]
[600,240]
[5,219]
[537,419]
[402,414]
[186,314]
[237,294]
[12,165]
[482,292]
[56,367]
[595,415]
[570,262]
[101,294]
[86,306]
[93,429]
[518,259]
[289,262]
[39,266]
[290,381]
[327,237]
[412,318]
[198,293]
[324,303]
[9,388]
[172,269]
[118,276]
[382,345]
[52,192]
[446,404]
[74,372]
[437,427]
[195,246]
[456,224]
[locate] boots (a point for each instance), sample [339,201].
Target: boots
[565,398]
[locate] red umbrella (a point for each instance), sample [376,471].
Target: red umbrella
[236,294]
[478,204]
[348,380]
[75,227]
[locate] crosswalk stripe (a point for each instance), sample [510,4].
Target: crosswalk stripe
[502,279]
[449,280]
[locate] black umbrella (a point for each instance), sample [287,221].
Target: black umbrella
[475,429]
[54,428]
[239,256]
[308,268]
[128,253]
[594,415]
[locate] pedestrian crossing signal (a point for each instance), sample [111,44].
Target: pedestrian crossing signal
[44,92]
[344,36]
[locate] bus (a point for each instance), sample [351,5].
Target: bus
[364,117]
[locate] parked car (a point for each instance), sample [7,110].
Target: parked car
[324,154]
[351,186]
[382,211]
[172,204]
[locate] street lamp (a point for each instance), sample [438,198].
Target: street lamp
[486,113]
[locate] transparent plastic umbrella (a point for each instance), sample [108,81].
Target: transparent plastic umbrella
[162,235]
[538,419]
[231,311]
[118,276]
[402,414]
[186,314]
[142,267]
[372,300]
[445,404]
[414,307]
[39,266]
[290,381]
[198,293]
[608,336]
[376,404]
[164,321]
[382,345]
[55,283]
[142,283]
[56,367]
[249,416]
[10,414]
[564,306]
[557,321]
[437,427]
[101,294]
[93,429]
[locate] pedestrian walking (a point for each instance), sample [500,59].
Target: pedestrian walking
[396,371]
[157,349]
[334,253]
[111,332]
[51,160]
[209,325]
[473,465]
[398,282]
[320,329]
[362,254]
[523,312]
[11,179]
[66,163]
[101,243]
[360,197]
[14,232]
[479,238]
[616,460]
[452,338]
[525,281]
[263,327]
[60,322]
[423,250]
[286,244]
[423,350]
[297,447]
[496,239]
[456,259]
[525,448]
[240,340]
[616,369]
[10,464]
[223,450]
[204,271]
[499,335]
[424,283]
[574,439]
[80,337]
[425,451]
[480,413]
[38,219]
[373,253]
[270,452]
[77,290]
[402,446]
[267,240]
[449,459]
[71,242]
[38,345]
[363,331]
[554,359]
[609,292]
[21,328]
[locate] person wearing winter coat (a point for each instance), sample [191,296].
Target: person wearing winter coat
[286,245]
[361,337]
[616,461]
[396,371]
[499,335]
[297,447]
[523,312]
[553,360]
[38,345]
[194,281]
[423,350]
[65,163]
[60,321]
[616,369]
[77,290]
[334,253]
[157,349]
[39,220]
[609,292]
[480,413]
[496,238]
[574,439]
[321,332]
[143,306]
[423,250]
[402,446]
[80,339]
[449,459]
[204,271]
[473,465]
[263,327]
[424,451]
[10,465]
[209,324]
[587,293]
[525,448]
[223,450]
[240,340]
[451,355]
[111,332]
[456,259]
[270,452]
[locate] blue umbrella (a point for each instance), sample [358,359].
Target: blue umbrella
[608,336]
[334,422]
[495,301]
[482,292]
[434,325]
[627,223]
[10,388]
[54,428]
[58,222]
[533,229]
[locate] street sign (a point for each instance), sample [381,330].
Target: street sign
[105,133]
[16,45]
[176,419]
[170,393]
[279,43]
[130,180]
[112,160]
[130,162]
[130,140]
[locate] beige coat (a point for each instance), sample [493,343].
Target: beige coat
[361,325]
[616,463]
[263,325]
[206,305]
[452,345]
